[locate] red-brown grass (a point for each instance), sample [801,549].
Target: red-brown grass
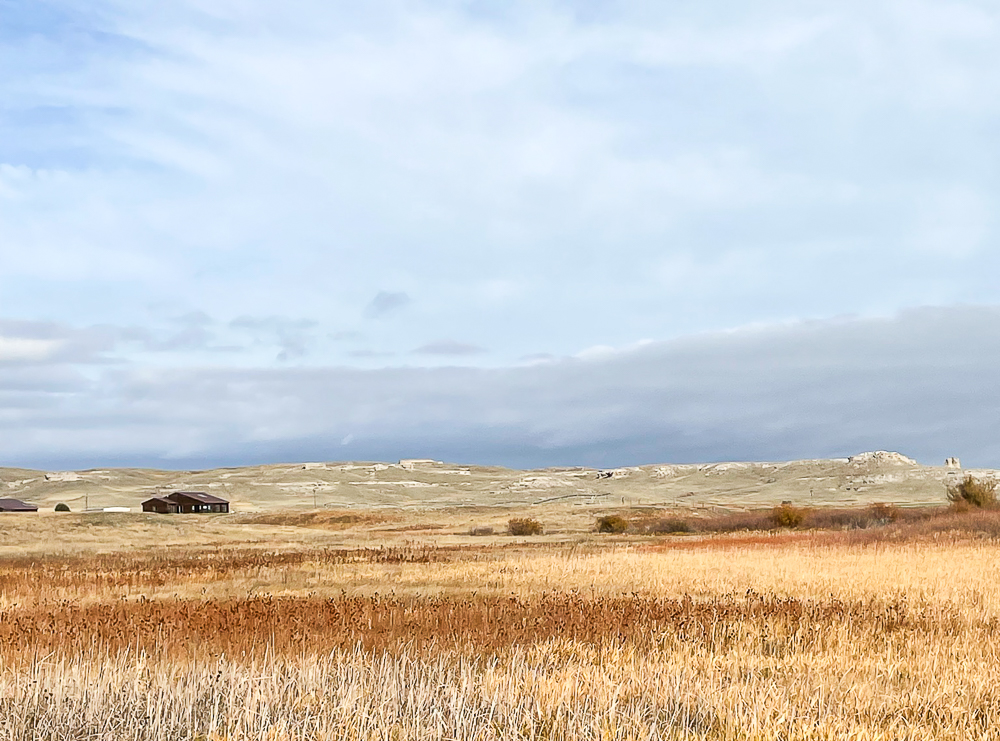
[957,524]
[877,515]
[312,625]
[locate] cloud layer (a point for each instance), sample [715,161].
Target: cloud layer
[922,383]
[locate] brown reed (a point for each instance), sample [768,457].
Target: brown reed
[311,625]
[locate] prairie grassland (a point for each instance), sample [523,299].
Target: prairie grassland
[804,636]
[959,571]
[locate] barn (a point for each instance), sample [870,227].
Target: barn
[16,505]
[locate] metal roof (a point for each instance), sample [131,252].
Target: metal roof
[16,505]
[197,495]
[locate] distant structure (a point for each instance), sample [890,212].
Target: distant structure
[409,464]
[63,476]
[16,505]
[185,502]
[952,463]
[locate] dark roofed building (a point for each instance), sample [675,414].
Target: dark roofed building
[199,501]
[161,505]
[185,502]
[16,505]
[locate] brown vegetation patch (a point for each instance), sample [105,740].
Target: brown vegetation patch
[524,526]
[312,625]
[842,529]
[154,569]
[323,519]
[614,524]
[890,519]
[749,539]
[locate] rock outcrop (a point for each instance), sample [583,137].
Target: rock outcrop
[881,456]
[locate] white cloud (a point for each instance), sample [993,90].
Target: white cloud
[24,349]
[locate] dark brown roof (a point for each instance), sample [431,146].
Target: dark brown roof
[163,500]
[197,495]
[16,505]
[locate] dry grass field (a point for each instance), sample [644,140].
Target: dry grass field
[385,623]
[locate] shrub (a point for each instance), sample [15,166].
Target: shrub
[788,515]
[974,492]
[482,531]
[524,526]
[612,524]
[62,507]
[669,525]
[883,514]
[735,522]
[830,518]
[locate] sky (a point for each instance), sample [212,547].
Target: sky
[521,233]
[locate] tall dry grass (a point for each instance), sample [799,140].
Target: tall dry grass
[531,694]
[795,637]
[747,680]
[249,627]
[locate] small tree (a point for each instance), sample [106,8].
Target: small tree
[973,492]
[62,507]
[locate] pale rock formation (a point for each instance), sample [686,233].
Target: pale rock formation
[729,467]
[881,456]
[409,464]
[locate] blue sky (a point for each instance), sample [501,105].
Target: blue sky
[242,231]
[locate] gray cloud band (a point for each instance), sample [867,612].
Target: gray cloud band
[922,382]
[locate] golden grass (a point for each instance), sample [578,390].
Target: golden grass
[756,680]
[791,636]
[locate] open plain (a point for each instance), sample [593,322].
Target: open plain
[352,601]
